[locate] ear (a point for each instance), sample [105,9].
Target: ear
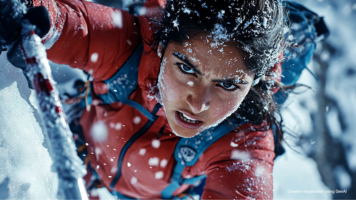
[159,50]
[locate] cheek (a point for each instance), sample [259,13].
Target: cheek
[171,87]
[225,107]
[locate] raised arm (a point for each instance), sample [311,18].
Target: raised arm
[89,36]
[244,171]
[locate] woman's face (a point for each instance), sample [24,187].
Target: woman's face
[200,86]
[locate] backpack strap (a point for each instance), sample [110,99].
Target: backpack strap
[307,28]
[121,85]
[137,135]
[124,83]
[188,151]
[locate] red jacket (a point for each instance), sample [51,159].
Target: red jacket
[86,28]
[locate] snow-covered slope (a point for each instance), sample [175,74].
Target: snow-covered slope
[25,171]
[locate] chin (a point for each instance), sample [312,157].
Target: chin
[186,133]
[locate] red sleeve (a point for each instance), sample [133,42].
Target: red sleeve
[80,30]
[244,171]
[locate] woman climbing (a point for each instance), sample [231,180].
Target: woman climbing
[181,94]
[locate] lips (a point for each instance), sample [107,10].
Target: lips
[186,121]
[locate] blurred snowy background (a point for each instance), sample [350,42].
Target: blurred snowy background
[321,151]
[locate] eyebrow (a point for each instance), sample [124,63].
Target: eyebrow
[229,80]
[184,59]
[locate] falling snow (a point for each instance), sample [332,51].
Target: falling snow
[117,18]
[153,161]
[133,180]
[94,57]
[142,152]
[163,163]
[190,83]
[159,175]
[137,120]
[99,131]
[156,143]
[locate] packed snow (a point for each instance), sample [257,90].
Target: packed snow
[26,164]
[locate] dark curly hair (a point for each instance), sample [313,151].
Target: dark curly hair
[255,26]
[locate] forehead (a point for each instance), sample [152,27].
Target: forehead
[224,61]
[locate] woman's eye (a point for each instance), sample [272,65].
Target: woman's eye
[184,68]
[228,86]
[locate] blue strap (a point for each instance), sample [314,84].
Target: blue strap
[140,108]
[193,180]
[307,28]
[292,68]
[137,135]
[175,181]
[124,83]
[121,196]
[188,151]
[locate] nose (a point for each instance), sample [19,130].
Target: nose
[199,100]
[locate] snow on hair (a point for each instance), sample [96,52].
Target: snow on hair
[256,27]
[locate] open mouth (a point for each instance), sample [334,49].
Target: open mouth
[187,122]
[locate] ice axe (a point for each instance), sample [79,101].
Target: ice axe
[61,146]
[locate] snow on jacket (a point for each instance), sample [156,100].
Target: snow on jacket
[81,29]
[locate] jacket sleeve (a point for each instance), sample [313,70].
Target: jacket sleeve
[89,36]
[244,171]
